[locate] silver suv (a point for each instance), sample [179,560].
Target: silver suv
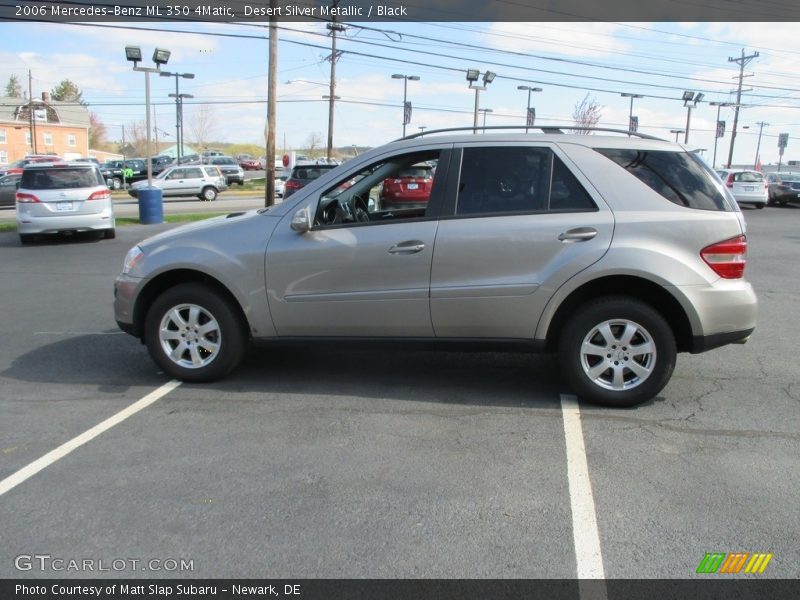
[63,198]
[203,181]
[614,252]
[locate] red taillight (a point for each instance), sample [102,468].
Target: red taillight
[729,181]
[100,195]
[727,259]
[293,185]
[23,198]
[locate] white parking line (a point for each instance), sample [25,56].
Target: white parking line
[48,459]
[584,521]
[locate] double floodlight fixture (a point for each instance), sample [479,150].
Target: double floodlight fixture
[184,75]
[134,55]
[529,88]
[474,74]
[409,77]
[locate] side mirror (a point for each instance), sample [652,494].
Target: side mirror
[301,221]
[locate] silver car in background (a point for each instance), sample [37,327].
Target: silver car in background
[203,181]
[747,187]
[57,198]
[614,252]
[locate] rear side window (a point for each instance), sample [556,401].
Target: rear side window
[680,177]
[62,178]
[517,179]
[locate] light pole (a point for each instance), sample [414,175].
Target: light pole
[758,146]
[179,102]
[529,89]
[472,77]
[406,107]
[484,111]
[719,131]
[630,112]
[677,132]
[688,97]
[151,206]
[178,107]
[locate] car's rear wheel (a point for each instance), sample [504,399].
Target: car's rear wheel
[617,351]
[208,194]
[194,334]
[116,183]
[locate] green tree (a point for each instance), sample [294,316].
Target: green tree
[13,88]
[66,91]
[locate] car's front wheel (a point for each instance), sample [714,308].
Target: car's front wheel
[617,351]
[194,334]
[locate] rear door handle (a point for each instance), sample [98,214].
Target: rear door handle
[579,234]
[409,247]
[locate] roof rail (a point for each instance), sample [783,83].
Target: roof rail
[543,128]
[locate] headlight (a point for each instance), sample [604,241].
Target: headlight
[133,257]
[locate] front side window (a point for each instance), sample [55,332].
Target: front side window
[517,179]
[398,188]
[680,177]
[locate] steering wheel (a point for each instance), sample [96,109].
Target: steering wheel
[360,210]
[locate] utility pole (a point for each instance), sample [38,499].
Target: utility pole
[334,27]
[742,60]
[269,188]
[32,123]
[758,146]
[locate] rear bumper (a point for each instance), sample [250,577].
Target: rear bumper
[702,343]
[61,223]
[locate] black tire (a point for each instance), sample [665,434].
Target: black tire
[110,234]
[27,238]
[227,333]
[208,194]
[652,371]
[760,206]
[116,183]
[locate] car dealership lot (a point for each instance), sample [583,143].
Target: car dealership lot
[334,462]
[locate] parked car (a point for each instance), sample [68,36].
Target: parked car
[160,163]
[17,166]
[189,158]
[747,187]
[250,164]
[114,171]
[88,159]
[783,188]
[411,188]
[8,189]
[302,175]
[280,186]
[203,181]
[617,253]
[57,198]
[230,168]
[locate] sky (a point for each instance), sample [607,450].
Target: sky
[567,60]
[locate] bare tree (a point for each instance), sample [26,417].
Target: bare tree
[313,143]
[586,113]
[202,126]
[136,139]
[97,132]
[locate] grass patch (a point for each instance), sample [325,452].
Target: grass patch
[8,226]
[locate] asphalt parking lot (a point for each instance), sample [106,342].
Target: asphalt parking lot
[316,463]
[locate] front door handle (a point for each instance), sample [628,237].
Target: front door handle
[579,234]
[409,247]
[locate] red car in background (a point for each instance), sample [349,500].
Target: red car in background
[410,189]
[250,164]
[17,166]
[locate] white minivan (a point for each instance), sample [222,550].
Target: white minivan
[748,187]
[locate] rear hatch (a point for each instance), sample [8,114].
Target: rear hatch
[61,191]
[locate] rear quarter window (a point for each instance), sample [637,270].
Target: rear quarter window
[680,177]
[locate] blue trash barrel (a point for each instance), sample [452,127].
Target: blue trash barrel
[151,206]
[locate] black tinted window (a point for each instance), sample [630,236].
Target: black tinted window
[517,179]
[680,177]
[62,178]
